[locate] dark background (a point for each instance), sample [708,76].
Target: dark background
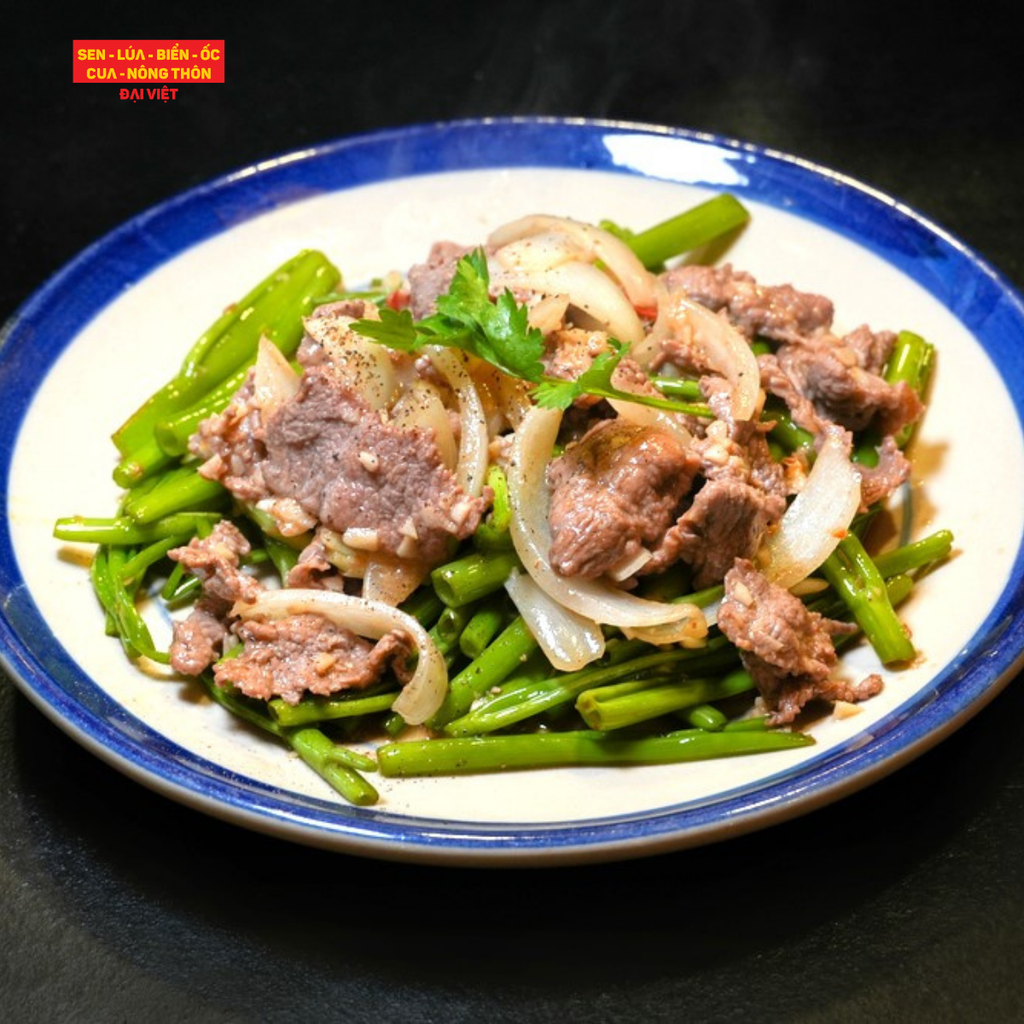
[904,902]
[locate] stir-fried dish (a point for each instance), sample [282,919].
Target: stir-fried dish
[561,495]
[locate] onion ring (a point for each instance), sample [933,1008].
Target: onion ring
[425,691]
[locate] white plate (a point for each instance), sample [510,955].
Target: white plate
[114,324]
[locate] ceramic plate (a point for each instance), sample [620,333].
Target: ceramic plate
[114,324]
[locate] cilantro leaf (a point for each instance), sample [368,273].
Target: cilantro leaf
[496,331]
[499,332]
[469,290]
[555,393]
[395,328]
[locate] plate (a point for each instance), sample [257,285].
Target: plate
[113,324]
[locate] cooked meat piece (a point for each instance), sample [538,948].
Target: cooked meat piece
[872,348]
[765,472]
[892,470]
[616,490]
[331,452]
[775,381]
[726,521]
[333,456]
[215,560]
[430,279]
[826,372]
[774,311]
[569,353]
[740,452]
[571,350]
[820,376]
[197,641]
[350,308]
[630,376]
[718,394]
[313,569]
[307,654]
[787,649]
[300,654]
[231,445]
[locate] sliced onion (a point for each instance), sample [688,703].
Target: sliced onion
[667,422]
[809,587]
[715,344]
[421,406]
[588,289]
[647,416]
[541,251]
[634,278]
[818,518]
[569,641]
[548,314]
[364,365]
[424,692]
[515,399]
[691,631]
[274,380]
[392,580]
[531,535]
[474,438]
[629,566]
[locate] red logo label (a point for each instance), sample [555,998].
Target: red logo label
[130,62]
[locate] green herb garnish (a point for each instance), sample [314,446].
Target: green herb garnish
[498,332]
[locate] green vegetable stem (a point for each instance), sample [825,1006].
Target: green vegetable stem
[855,577]
[274,309]
[544,750]
[473,576]
[520,704]
[337,765]
[122,530]
[507,652]
[689,230]
[625,704]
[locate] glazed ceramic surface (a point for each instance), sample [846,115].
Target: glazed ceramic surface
[114,325]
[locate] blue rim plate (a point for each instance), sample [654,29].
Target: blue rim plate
[892,235]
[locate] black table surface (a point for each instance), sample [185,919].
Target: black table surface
[902,902]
